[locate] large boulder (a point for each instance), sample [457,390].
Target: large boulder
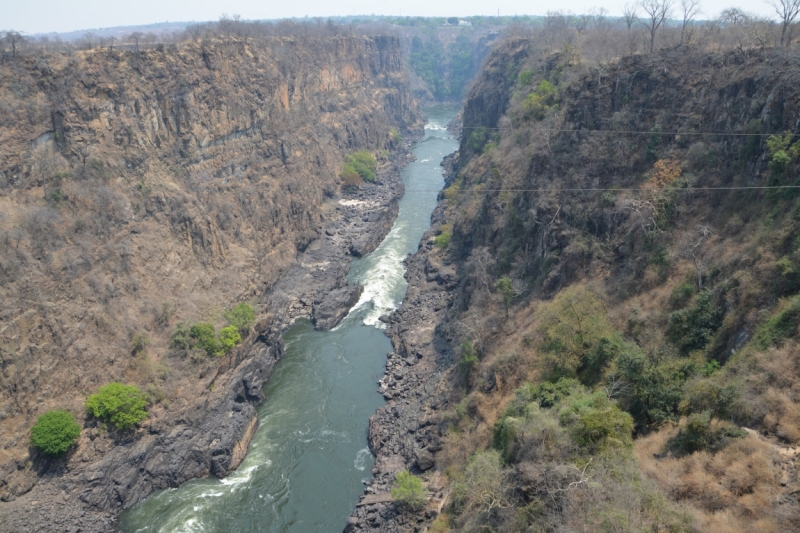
[328,312]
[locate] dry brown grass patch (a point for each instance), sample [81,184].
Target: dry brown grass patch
[736,489]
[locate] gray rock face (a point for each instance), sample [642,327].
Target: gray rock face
[376,225]
[425,460]
[335,306]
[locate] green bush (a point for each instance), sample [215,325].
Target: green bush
[362,163]
[780,326]
[525,77]
[722,400]
[205,337]
[697,435]
[443,239]
[228,338]
[55,432]
[540,101]
[469,356]
[242,316]
[692,328]
[545,395]
[180,339]
[477,139]
[596,422]
[506,288]
[571,327]
[121,405]
[408,491]
[654,385]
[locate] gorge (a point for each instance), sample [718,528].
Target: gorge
[576,309]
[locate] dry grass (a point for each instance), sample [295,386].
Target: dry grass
[773,388]
[734,490]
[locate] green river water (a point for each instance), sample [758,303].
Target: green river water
[308,459]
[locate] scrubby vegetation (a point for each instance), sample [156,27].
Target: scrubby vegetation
[119,404]
[408,491]
[55,432]
[358,166]
[634,315]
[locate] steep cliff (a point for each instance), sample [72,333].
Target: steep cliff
[142,189]
[607,322]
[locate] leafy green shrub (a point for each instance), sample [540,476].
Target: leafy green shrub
[408,491]
[780,326]
[571,327]
[692,328]
[469,356]
[362,163]
[443,239]
[697,434]
[712,395]
[654,385]
[180,339]
[596,422]
[121,405]
[525,77]
[540,101]
[228,338]
[395,135]
[477,139]
[506,288]
[205,337]
[242,316]
[55,432]
[545,395]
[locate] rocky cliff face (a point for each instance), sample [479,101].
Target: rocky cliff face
[142,189]
[622,197]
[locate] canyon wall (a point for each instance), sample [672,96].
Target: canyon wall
[143,189]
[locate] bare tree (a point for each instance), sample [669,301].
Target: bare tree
[629,13]
[15,39]
[749,30]
[657,12]
[582,22]
[690,9]
[89,36]
[787,11]
[136,37]
[600,19]
[693,247]
[111,40]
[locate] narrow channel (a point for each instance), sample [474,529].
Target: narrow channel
[304,470]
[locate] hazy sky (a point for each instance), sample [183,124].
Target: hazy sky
[40,16]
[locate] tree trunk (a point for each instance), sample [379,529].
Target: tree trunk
[699,275]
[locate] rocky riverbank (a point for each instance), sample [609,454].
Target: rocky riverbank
[405,433]
[211,437]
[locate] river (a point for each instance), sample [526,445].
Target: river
[307,462]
